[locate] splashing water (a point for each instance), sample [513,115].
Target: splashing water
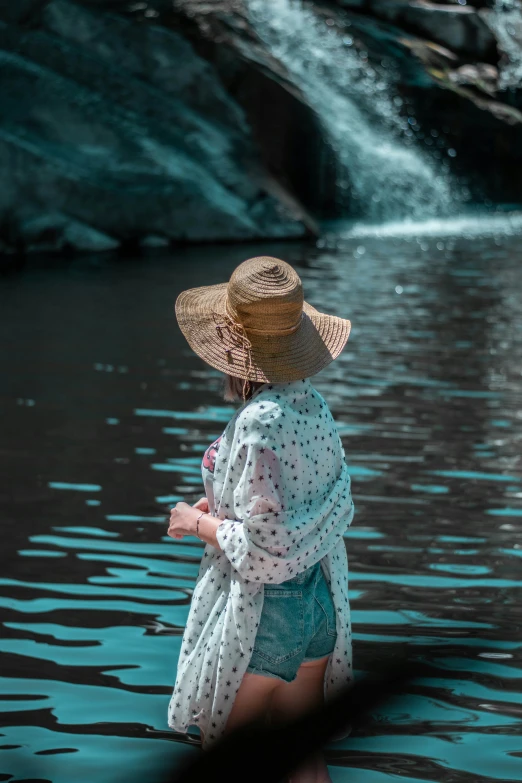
[379,166]
[506,22]
[468,226]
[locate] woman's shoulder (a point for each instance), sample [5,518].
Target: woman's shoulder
[280,415]
[280,402]
[264,408]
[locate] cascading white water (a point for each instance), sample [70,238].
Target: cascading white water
[505,20]
[380,161]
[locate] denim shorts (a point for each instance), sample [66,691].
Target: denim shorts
[297,624]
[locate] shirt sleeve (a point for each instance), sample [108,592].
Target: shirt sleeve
[271,538]
[248,542]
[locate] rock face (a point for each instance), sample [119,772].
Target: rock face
[146,123]
[113,131]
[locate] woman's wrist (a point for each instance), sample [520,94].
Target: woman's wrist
[201,514]
[207,527]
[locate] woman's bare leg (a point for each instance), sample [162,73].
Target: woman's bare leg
[290,699]
[252,700]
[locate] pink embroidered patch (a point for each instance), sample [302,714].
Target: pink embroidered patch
[209,457]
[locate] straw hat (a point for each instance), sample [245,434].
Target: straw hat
[258,326]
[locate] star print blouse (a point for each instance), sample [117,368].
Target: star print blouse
[278,481]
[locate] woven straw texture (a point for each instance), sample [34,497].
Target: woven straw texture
[258,326]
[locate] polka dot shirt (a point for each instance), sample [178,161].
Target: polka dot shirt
[278,480]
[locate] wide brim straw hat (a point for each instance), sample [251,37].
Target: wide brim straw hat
[258,325]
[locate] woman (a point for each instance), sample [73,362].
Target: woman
[268,632]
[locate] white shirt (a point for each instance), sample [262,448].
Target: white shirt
[278,480]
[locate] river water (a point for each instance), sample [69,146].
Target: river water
[106,413]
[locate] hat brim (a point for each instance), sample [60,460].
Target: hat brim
[319,339]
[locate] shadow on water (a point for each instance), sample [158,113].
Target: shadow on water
[106,413]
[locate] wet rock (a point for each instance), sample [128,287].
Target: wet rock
[460,28]
[154,241]
[482,76]
[59,232]
[128,131]
[21,12]
[28,230]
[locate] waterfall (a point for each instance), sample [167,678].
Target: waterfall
[381,163]
[505,20]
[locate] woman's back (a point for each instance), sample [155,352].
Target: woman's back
[281,489]
[277,504]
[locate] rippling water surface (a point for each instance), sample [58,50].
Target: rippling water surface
[106,414]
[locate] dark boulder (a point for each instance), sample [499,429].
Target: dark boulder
[124,129]
[460,28]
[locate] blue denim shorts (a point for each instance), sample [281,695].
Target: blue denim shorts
[297,624]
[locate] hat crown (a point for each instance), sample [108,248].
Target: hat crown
[265,294]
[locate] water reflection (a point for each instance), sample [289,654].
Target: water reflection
[107,413]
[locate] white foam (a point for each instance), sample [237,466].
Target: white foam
[507,224]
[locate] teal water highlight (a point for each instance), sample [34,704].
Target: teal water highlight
[94,597]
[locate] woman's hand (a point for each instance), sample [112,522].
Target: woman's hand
[183,519]
[202,504]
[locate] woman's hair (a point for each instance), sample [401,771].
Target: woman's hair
[233,389]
